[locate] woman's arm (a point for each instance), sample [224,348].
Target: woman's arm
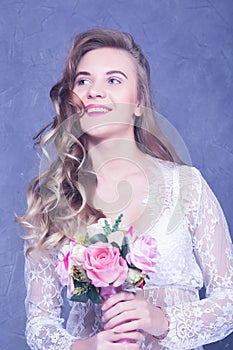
[211,319]
[192,324]
[44,330]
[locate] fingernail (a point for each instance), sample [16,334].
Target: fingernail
[117,329]
[103,308]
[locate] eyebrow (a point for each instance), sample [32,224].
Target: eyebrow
[108,73]
[81,73]
[117,72]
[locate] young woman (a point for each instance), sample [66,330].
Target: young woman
[110,158]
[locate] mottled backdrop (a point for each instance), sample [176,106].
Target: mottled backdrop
[189,44]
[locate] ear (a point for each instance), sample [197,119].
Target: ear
[138,111]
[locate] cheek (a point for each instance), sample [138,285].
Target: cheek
[128,96]
[134,96]
[81,93]
[125,111]
[93,124]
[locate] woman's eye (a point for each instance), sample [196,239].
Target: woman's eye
[83,82]
[114,81]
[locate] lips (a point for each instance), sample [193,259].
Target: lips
[95,110]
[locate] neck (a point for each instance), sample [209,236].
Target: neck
[114,158]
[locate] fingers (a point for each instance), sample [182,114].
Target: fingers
[125,311]
[128,346]
[128,326]
[122,317]
[108,339]
[114,299]
[134,336]
[117,309]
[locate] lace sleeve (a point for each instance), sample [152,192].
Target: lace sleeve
[44,329]
[208,320]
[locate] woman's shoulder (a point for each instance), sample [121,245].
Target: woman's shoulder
[177,182]
[175,171]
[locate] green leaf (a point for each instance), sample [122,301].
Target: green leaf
[117,223]
[83,298]
[107,228]
[99,237]
[125,247]
[78,284]
[94,295]
[114,244]
[90,293]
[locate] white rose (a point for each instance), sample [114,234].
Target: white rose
[94,229]
[116,236]
[78,253]
[135,277]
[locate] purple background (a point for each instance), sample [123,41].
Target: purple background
[190,48]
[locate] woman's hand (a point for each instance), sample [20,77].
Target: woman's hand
[127,312]
[107,339]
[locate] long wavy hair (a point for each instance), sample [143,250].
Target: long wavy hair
[57,198]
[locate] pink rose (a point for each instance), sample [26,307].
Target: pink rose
[63,267]
[104,265]
[143,253]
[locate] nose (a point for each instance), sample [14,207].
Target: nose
[96,91]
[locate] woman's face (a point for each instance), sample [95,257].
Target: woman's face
[106,82]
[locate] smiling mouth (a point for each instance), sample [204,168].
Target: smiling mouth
[96,110]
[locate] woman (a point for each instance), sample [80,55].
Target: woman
[111,158]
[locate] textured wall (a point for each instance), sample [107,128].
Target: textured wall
[189,44]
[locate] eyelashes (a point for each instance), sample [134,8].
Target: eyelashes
[111,81]
[114,81]
[81,82]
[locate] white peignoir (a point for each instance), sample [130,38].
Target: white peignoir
[194,249]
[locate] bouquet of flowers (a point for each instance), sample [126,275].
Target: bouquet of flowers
[104,259]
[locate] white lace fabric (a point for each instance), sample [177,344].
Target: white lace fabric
[194,249]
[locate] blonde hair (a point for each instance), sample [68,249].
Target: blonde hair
[57,200]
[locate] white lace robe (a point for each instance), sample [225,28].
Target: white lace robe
[195,249]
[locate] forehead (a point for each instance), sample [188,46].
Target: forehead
[108,58]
